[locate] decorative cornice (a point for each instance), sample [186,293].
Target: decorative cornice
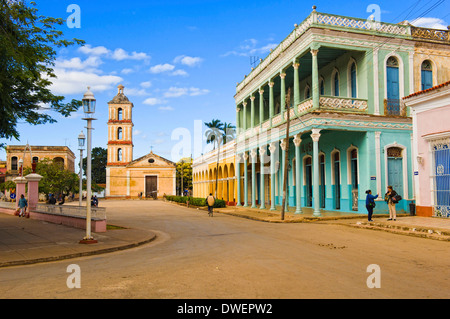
[120,122]
[117,164]
[120,143]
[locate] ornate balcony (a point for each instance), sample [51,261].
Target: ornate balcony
[332,103]
[394,107]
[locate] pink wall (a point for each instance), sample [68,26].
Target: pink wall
[429,122]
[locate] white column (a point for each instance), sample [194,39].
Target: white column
[238,179]
[378,160]
[262,152]
[283,146]
[272,149]
[245,180]
[254,154]
[376,92]
[315,135]
[298,182]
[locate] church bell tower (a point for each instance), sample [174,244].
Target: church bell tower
[120,130]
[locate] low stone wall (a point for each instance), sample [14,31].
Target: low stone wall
[71,216]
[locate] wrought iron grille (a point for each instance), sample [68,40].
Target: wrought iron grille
[441,170]
[394,107]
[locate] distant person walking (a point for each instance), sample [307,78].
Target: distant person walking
[23,204]
[210,200]
[370,204]
[391,203]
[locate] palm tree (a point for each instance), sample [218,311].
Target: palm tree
[229,132]
[213,135]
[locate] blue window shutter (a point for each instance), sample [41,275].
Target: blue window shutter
[427,79]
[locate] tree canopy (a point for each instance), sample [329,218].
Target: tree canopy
[98,161]
[55,179]
[27,54]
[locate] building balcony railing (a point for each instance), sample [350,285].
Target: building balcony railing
[326,103]
[332,103]
[394,107]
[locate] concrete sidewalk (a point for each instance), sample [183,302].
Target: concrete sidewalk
[27,241]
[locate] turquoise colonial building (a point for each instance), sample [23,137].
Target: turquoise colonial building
[349,131]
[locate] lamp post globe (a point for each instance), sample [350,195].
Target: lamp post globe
[81,140]
[89,102]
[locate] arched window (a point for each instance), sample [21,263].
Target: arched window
[119,155]
[353,89]
[35,159]
[322,87]
[307,92]
[119,133]
[427,75]
[336,84]
[308,178]
[395,168]
[336,178]
[120,114]
[392,86]
[14,163]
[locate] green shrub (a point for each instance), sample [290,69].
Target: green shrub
[195,201]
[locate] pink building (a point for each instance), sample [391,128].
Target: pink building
[430,111]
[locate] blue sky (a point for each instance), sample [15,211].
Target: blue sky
[178,60]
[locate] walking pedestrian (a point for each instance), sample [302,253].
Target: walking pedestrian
[210,200]
[391,203]
[370,204]
[23,204]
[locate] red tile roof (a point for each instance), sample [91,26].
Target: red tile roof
[428,90]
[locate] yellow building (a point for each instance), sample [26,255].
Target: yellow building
[205,174]
[125,177]
[26,153]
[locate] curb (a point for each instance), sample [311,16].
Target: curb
[405,230]
[77,255]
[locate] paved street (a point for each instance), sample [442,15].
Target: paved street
[195,256]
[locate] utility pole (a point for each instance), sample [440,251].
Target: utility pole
[286,157]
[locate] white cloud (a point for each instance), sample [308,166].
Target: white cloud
[88,49]
[154,101]
[78,64]
[188,60]
[430,23]
[197,91]
[179,73]
[146,84]
[160,68]
[250,48]
[174,92]
[120,54]
[137,92]
[76,82]
[166,108]
[136,132]
[127,71]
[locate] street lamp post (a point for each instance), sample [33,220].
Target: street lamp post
[89,109]
[81,141]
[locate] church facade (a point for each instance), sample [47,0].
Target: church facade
[146,176]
